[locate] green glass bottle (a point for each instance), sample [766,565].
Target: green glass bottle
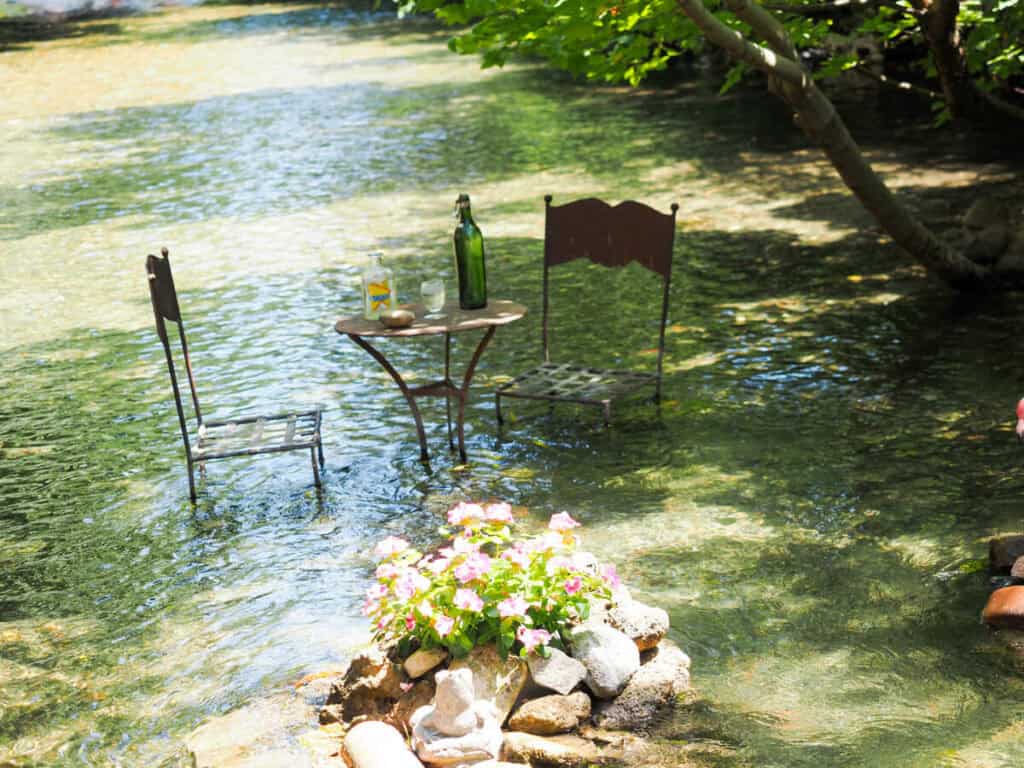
[469,258]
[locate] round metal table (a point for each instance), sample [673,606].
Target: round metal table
[450,320]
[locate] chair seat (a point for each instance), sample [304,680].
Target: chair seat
[253,435]
[574,383]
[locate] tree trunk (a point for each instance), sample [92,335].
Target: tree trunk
[817,117]
[937,20]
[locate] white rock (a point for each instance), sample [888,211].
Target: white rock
[559,672]
[645,624]
[422,661]
[610,656]
[373,744]
[663,676]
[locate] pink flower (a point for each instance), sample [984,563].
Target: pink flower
[476,565]
[443,624]
[370,607]
[573,585]
[376,592]
[518,556]
[531,638]
[387,571]
[426,608]
[465,514]
[512,606]
[390,547]
[609,574]
[468,600]
[411,582]
[410,622]
[548,541]
[562,522]
[558,563]
[463,546]
[498,513]
[437,567]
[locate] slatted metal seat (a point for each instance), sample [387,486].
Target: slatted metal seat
[612,236]
[226,438]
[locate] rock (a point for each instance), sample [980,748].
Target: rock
[457,728]
[663,676]
[644,624]
[549,715]
[497,680]
[324,745]
[331,713]
[421,661]
[378,745]
[609,655]
[559,751]
[253,732]
[1005,608]
[624,748]
[1017,570]
[420,695]
[370,687]
[559,672]
[1003,551]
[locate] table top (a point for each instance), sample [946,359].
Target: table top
[450,320]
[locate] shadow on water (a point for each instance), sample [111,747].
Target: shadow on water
[18,34]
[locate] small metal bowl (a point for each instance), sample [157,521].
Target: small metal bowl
[397,318]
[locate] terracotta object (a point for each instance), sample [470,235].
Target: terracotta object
[1005,608]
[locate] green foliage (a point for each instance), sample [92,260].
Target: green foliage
[627,40]
[486,588]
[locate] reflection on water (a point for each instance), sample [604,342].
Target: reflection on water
[808,503]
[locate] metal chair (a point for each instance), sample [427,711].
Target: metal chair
[224,439]
[612,236]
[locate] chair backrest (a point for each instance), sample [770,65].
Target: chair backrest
[612,236]
[165,307]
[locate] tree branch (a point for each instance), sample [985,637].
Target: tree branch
[1003,106]
[817,117]
[734,44]
[765,25]
[813,9]
[902,85]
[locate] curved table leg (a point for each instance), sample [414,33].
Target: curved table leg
[464,392]
[447,377]
[424,456]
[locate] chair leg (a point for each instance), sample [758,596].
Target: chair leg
[320,453]
[497,408]
[316,470]
[191,483]
[607,413]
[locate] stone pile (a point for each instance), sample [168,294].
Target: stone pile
[571,709]
[1005,607]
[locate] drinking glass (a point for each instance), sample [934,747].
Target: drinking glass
[432,293]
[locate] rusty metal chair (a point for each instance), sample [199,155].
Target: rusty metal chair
[612,236]
[224,439]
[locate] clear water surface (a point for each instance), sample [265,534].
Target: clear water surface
[810,503]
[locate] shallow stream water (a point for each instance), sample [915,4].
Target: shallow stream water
[811,502]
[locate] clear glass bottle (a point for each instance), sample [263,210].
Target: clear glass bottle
[378,288]
[469,258]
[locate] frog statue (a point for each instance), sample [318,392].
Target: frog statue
[456,729]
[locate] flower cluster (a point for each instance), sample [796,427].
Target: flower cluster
[484,587]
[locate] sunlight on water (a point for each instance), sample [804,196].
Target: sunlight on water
[831,455]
